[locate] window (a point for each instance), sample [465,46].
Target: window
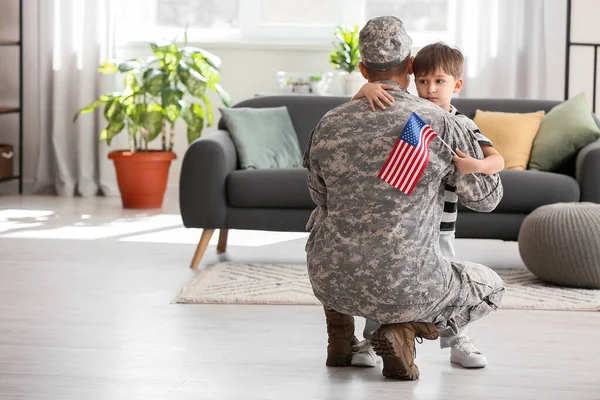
[426,20]
[203,14]
[310,21]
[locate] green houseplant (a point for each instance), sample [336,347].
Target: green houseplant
[346,56]
[159,90]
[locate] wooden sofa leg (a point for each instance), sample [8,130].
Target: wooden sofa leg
[201,248]
[222,246]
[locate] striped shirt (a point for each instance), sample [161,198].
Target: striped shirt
[448,223]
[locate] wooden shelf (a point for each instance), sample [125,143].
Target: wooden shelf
[9,110]
[10,178]
[18,109]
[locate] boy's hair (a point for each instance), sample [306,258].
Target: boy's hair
[438,56]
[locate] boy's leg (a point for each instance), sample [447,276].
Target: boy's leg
[364,355]
[484,293]
[370,328]
[447,244]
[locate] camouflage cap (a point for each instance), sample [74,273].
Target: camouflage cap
[383,43]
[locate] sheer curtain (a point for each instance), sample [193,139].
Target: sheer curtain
[74,36]
[512,48]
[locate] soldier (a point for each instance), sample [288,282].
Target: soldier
[373,251]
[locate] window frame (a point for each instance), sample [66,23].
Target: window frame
[252,30]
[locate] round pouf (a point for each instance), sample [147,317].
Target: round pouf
[560,244]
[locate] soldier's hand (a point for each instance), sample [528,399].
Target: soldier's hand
[465,163]
[375,93]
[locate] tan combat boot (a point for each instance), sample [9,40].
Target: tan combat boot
[395,343]
[340,328]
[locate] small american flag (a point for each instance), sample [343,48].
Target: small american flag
[408,159]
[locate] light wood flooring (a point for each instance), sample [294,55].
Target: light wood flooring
[86,312]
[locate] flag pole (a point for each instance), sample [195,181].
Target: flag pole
[453,153]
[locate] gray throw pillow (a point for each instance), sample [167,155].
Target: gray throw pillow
[263,137]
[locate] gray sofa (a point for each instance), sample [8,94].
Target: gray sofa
[215,194]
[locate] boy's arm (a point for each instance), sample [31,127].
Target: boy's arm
[491,164]
[477,192]
[493,161]
[375,92]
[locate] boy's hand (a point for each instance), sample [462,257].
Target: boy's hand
[465,163]
[375,93]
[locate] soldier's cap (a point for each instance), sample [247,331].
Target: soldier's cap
[383,43]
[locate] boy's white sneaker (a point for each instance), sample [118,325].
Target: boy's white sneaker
[465,353]
[364,355]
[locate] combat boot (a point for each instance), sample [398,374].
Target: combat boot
[395,344]
[340,329]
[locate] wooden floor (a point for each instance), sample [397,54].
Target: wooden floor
[86,312]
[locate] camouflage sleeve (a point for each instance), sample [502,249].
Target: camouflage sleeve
[479,192]
[316,185]
[483,140]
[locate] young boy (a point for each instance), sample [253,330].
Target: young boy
[438,72]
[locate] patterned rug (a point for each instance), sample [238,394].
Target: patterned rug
[229,283]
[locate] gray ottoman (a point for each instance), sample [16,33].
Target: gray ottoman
[560,244]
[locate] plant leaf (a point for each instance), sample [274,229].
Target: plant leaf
[113,128]
[225,98]
[171,97]
[129,65]
[210,58]
[155,80]
[108,67]
[204,68]
[131,83]
[89,108]
[161,49]
[152,121]
[209,111]
[115,111]
[192,79]
[193,115]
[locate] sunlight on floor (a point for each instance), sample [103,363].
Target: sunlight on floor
[140,228]
[235,238]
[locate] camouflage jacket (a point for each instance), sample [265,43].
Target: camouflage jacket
[373,250]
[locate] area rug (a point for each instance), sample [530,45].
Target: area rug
[234,283]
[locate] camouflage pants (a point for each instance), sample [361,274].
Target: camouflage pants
[474,291]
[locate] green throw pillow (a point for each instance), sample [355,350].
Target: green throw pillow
[563,132]
[263,137]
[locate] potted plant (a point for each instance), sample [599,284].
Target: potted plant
[346,57]
[157,91]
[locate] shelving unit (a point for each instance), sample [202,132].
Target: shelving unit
[17,110]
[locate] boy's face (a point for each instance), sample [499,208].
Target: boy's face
[438,87]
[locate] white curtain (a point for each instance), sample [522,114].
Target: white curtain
[512,48]
[74,36]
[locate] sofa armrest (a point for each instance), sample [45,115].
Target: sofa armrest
[587,172]
[202,183]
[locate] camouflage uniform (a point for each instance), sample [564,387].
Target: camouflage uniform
[374,251]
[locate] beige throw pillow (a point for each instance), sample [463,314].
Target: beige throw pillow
[511,133]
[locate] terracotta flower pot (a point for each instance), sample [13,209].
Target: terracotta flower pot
[142,177]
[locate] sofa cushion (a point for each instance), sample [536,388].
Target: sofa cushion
[563,132]
[524,191]
[269,188]
[511,133]
[263,137]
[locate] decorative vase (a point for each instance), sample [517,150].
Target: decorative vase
[142,176]
[352,82]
